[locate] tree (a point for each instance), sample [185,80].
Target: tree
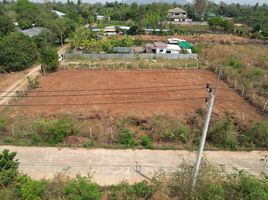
[6,25]
[17,52]
[49,58]
[8,167]
[25,23]
[200,7]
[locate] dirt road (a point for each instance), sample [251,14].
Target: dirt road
[113,166]
[21,80]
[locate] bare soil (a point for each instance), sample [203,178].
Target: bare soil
[141,93]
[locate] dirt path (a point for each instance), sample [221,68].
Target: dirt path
[18,81]
[113,166]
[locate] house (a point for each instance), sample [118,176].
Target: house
[178,16]
[58,13]
[100,17]
[185,46]
[210,15]
[150,31]
[156,47]
[173,49]
[123,29]
[110,30]
[32,32]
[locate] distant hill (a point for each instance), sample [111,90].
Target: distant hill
[180,2]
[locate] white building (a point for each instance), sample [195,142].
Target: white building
[178,16]
[173,49]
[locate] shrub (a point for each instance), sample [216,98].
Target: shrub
[252,189]
[224,134]
[55,130]
[32,189]
[234,62]
[258,134]
[8,167]
[2,123]
[170,130]
[141,190]
[82,188]
[127,138]
[146,141]
[89,143]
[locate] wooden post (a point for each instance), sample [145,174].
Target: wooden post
[90,133]
[243,90]
[235,84]
[264,106]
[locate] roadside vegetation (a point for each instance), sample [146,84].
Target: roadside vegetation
[211,184]
[157,132]
[245,71]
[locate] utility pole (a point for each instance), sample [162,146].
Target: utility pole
[204,135]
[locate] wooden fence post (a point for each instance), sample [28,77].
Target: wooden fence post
[264,106]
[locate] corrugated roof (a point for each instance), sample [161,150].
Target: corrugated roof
[173,47]
[160,45]
[31,32]
[176,10]
[185,45]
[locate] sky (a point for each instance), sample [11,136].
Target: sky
[252,2]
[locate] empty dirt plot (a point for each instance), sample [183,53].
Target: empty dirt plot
[133,92]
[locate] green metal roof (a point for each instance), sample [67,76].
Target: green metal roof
[185,45]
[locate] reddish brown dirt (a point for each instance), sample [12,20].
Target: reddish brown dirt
[182,85]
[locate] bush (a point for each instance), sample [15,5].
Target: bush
[82,188]
[32,189]
[127,138]
[224,134]
[234,62]
[124,191]
[252,189]
[89,143]
[2,123]
[258,134]
[55,130]
[170,130]
[146,141]
[8,167]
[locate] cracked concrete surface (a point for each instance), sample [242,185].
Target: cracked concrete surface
[108,166]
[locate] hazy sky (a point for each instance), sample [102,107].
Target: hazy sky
[252,2]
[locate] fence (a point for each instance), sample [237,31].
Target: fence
[249,95]
[129,56]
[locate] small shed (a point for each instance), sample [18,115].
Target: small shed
[186,46]
[110,30]
[156,47]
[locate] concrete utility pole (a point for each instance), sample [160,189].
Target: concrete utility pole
[204,135]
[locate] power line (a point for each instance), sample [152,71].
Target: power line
[100,94]
[107,89]
[105,103]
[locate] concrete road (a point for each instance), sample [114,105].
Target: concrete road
[22,82]
[113,166]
